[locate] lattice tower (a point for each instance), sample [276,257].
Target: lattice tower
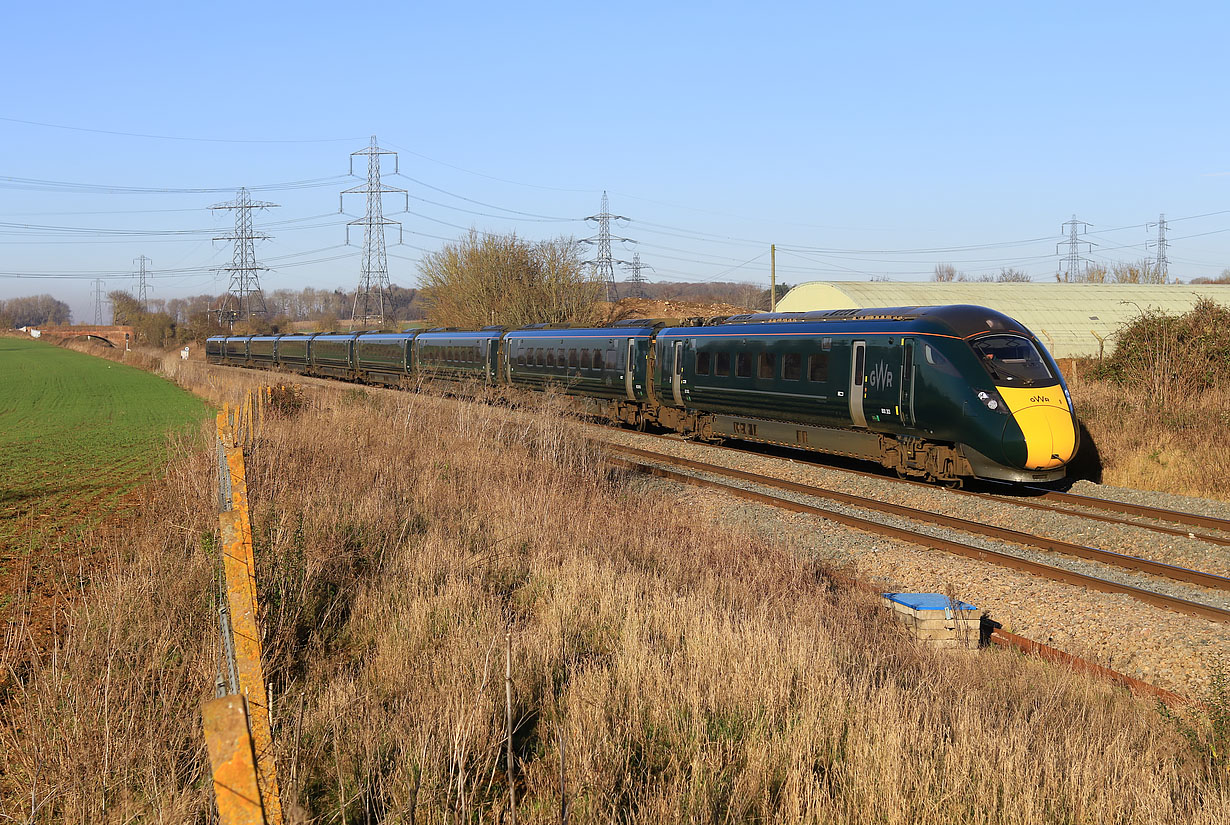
[603,264]
[142,286]
[372,295]
[244,297]
[98,302]
[1161,263]
[636,280]
[1074,228]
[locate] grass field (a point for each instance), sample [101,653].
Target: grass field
[76,434]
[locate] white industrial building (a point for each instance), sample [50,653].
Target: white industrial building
[1074,320]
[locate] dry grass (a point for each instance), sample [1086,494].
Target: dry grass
[1158,409]
[1176,447]
[691,674]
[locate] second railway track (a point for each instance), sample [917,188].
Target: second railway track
[634,459]
[1096,509]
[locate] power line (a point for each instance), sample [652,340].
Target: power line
[373,290]
[244,297]
[488,205]
[40,185]
[167,137]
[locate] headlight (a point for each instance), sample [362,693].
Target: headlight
[993,402]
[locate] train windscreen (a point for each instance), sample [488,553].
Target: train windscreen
[1012,358]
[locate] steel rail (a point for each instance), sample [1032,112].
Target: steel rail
[1150,597]
[1160,513]
[1105,504]
[1156,568]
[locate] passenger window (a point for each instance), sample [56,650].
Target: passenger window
[768,365]
[572,358]
[561,360]
[550,356]
[702,363]
[936,359]
[721,364]
[520,359]
[818,367]
[743,364]
[598,360]
[611,363]
[539,358]
[585,359]
[792,366]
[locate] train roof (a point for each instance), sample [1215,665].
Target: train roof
[959,321]
[474,334]
[581,332]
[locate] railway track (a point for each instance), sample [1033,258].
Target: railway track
[635,459]
[1100,507]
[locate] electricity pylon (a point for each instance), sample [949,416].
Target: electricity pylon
[372,294]
[244,297]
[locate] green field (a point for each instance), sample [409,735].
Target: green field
[76,434]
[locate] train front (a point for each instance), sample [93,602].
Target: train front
[1040,432]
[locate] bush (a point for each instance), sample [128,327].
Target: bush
[1170,355]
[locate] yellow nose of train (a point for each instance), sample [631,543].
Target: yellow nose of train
[1046,422]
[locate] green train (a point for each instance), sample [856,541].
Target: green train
[938,393]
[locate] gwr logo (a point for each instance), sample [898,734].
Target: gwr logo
[881,377]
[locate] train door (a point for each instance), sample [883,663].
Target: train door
[858,359]
[677,373]
[630,368]
[907,382]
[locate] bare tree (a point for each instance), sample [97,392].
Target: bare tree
[484,279]
[1137,272]
[1010,275]
[944,273]
[1224,278]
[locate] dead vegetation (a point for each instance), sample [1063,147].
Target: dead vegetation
[1158,409]
[680,673]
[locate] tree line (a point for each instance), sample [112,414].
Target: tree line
[1124,272]
[481,279]
[33,311]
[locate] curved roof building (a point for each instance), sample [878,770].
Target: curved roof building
[1074,320]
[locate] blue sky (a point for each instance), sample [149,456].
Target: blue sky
[866,141]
